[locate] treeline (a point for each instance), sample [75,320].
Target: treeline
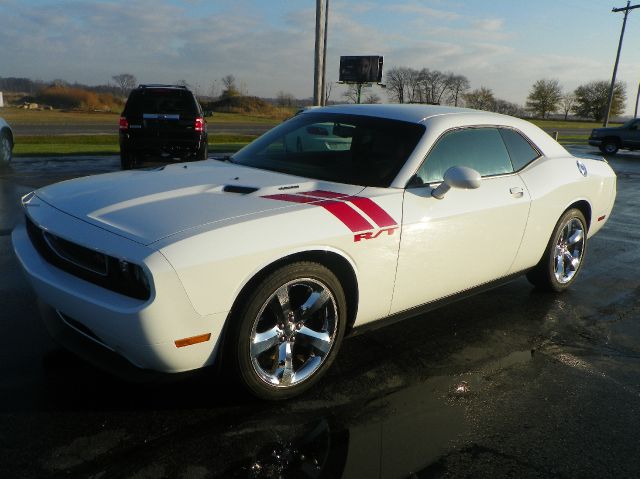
[410,85]
[589,100]
[63,95]
[31,87]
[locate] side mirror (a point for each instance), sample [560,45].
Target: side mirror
[457,177]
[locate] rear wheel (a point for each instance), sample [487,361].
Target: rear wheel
[203,152]
[564,255]
[127,160]
[609,147]
[288,331]
[6,147]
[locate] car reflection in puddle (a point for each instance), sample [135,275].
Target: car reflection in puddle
[397,435]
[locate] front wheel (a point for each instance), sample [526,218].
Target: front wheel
[564,254]
[287,333]
[609,147]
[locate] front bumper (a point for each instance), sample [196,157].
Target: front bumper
[595,141]
[142,332]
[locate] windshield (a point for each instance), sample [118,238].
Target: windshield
[160,100]
[351,149]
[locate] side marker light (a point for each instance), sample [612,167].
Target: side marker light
[181,343]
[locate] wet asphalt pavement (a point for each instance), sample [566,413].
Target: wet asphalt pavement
[508,383]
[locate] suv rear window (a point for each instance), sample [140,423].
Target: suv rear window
[160,100]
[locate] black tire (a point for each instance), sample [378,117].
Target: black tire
[555,272]
[6,148]
[309,341]
[203,152]
[609,147]
[127,160]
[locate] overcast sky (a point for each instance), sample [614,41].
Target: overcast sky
[268,44]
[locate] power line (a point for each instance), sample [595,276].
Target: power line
[615,67]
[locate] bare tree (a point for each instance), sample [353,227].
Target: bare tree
[229,87]
[372,98]
[397,83]
[481,99]
[567,101]
[458,85]
[285,99]
[354,92]
[434,84]
[125,81]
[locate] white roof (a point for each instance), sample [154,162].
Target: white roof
[413,113]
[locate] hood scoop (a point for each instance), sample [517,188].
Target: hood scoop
[243,190]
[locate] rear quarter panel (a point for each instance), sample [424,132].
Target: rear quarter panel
[554,185]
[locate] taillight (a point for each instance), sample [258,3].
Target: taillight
[124,124]
[199,124]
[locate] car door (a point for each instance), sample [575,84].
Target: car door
[469,237]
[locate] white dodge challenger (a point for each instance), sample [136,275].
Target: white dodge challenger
[264,261]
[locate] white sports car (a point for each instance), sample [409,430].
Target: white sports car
[265,261]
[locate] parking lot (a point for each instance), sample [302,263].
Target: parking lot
[509,383]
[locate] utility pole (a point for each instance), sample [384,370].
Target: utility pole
[635,114]
[323,96]
[318,77]
[615,67]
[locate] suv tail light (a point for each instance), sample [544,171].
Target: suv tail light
[124,124]
[198,125]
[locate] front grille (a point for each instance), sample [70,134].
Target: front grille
[89,265]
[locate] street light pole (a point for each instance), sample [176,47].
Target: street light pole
[319,53]
[615,67]
[635,114]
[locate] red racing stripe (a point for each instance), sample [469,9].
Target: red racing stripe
[291,198]
[345,213]
[324,194]
[373,211]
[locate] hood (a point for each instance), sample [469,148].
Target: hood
[148,205]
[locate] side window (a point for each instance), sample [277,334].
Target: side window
[520,151]
[479,148]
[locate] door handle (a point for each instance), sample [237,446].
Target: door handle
[516,192]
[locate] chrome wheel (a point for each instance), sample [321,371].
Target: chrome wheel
[569,250]
[294,332]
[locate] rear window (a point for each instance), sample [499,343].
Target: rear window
[161,100]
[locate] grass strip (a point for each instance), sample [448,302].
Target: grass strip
[99,145]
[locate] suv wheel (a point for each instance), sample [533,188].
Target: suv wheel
[127,160]
[202,153]
[609,147]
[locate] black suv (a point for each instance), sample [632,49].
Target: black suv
[162,122]
[610,140]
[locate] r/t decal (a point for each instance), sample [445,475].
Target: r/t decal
[373,234]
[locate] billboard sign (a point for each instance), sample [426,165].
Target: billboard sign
[361,69]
